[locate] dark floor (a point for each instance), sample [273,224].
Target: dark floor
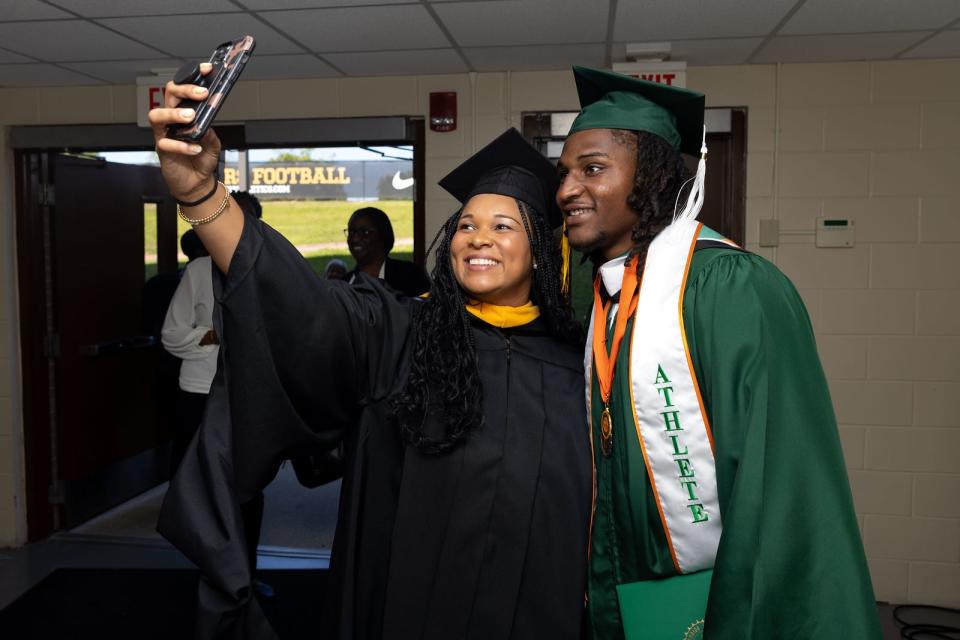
[293,516]
[297,533]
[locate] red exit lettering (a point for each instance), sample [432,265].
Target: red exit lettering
[156,97]
[662,78]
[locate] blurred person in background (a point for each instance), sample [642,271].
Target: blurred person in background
[188,334]
[336,269]
[370,239]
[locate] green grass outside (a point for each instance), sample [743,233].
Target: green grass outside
[317,259]
[305,222]
[310,222]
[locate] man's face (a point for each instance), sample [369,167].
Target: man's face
[596,177]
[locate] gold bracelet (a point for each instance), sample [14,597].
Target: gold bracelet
[210,218]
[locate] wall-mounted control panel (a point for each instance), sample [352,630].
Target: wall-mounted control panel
[835,232]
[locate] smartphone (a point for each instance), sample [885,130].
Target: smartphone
[228,61]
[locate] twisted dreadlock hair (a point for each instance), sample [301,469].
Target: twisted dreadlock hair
[444,379]
[660,177]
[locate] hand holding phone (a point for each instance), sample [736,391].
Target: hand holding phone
[228,61]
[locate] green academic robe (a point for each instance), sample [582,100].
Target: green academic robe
[790,563]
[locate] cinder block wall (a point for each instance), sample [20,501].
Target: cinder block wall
[874,142]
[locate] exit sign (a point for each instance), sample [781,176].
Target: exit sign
[150,95]
[673,74]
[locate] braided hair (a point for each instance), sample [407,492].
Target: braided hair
[444,378]
[660,177]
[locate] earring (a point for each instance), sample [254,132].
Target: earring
[534,264]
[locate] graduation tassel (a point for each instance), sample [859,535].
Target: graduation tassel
[695,199]
[564,260]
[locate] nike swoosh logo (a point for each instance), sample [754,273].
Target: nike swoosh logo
[401,183]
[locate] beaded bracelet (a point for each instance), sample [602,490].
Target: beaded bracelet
[204,198]
[213,216]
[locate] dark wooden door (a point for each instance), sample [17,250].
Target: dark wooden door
[97,387]
[724,204]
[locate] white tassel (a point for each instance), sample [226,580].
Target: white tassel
[695,199]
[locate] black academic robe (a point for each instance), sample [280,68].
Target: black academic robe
[486,542]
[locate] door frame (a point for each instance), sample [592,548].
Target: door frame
[37,355]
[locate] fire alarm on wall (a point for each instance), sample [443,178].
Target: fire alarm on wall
[443,111]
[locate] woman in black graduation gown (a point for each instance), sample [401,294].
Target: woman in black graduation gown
[466,494]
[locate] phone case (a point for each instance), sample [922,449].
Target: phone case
[228,61]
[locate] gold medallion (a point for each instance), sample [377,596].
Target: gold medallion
[606,432]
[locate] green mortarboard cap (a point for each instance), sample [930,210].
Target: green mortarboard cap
[610,100]
[508,166]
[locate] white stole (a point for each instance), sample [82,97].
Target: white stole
[671,424]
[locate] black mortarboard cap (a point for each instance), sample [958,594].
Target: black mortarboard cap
[508,166]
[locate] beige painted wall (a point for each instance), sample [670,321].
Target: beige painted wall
[875,142]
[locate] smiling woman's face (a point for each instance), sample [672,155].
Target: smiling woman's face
[364,240]
[490,251]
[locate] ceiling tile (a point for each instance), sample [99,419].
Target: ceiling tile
[361,28]
[524,22]
[73,40]
[287,66]
[537,57]
[862,16]
[393,63]
[39,75]
[258,5]
[659,20]
[9,56]
[29,10]
[123,8]
[942,45]
[835,48]
[703,52]
[123,71]
[196,37]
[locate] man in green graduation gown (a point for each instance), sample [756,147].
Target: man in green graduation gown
[767,507]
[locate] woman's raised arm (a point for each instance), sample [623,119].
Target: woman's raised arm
[190,172]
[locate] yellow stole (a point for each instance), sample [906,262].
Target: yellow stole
[504,317]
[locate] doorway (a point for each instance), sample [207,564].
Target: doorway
[91,390]
[90,232]
[308,194]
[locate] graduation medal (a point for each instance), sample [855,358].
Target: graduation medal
[606,363]
[606,432]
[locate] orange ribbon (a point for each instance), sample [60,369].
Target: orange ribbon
[605,364]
